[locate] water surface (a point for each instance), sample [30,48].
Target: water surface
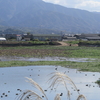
[13,78]
[47,59]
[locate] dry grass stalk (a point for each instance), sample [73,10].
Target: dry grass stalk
[59,78]
[68,95]
[81,97]
[57,97]
[36,85]
[28,95]
[56,79]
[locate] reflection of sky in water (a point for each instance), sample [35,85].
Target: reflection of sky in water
[13,78]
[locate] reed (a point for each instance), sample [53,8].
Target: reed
[37,86]
[60,78]
[28,95]
[81,97]
[57,97]
[56,79]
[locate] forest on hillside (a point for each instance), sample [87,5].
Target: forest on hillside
[31,31]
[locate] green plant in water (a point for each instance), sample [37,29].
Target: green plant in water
[98,82]
[56,79]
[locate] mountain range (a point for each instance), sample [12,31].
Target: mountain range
[43,15]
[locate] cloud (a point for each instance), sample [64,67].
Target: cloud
[60,2]
[90,5]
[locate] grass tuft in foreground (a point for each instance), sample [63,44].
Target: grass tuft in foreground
[56,79]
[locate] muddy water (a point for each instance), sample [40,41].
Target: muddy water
[12,82]
[47,59]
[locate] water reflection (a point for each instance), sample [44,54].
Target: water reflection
[12,82]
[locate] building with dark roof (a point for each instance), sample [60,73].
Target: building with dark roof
[51,37]
[95,37]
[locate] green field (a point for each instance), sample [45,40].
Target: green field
[53,51]
[49,50]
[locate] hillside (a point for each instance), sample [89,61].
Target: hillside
[42,15]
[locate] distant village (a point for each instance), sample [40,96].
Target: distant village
[49,37]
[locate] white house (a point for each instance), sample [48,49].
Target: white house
[2,39]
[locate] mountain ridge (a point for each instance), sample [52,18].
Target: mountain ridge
[40,14]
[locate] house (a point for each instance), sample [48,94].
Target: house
[10,36]
[19,37]
[27,37]
[2,39]
[50,37]
[93,38]
[69,38]
[89,37]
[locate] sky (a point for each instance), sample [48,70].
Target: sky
[89,5]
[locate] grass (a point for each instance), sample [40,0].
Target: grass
[52,51]
[90,42]
[18,43]
[55,80]
[82,66]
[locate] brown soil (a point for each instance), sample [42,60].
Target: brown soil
[66,44]
[63,44]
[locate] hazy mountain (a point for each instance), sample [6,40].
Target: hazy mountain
[39,14]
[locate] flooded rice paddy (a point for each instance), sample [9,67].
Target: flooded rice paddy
[13,81]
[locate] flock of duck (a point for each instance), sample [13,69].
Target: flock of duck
[6,94]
